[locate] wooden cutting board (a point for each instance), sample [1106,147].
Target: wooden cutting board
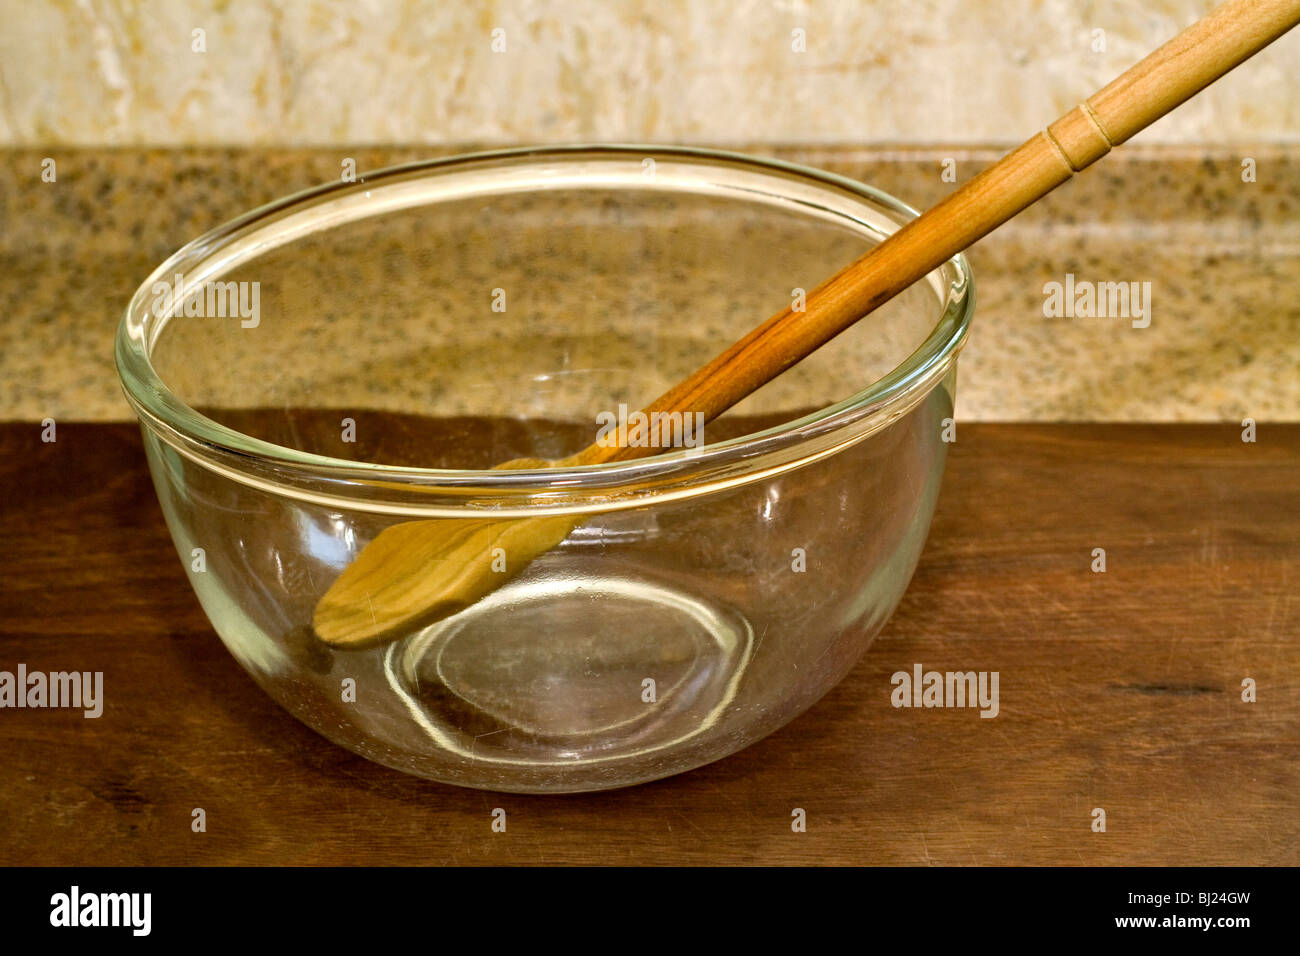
[1119,690]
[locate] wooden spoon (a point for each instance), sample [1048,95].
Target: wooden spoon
[420,571]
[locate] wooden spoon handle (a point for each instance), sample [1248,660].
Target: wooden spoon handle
[1177,71]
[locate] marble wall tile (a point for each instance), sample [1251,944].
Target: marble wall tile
[307,72]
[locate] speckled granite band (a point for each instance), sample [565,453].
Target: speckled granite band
[1222,255]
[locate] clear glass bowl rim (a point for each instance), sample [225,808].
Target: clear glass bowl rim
[279,468]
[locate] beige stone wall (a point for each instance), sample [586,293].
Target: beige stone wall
[112,72]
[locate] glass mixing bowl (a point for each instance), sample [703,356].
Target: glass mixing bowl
[361,355]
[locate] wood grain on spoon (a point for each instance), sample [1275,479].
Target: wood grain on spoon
[419,571]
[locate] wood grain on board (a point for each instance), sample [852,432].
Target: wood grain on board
[1119,690]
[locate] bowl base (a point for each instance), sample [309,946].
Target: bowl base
[566,668]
